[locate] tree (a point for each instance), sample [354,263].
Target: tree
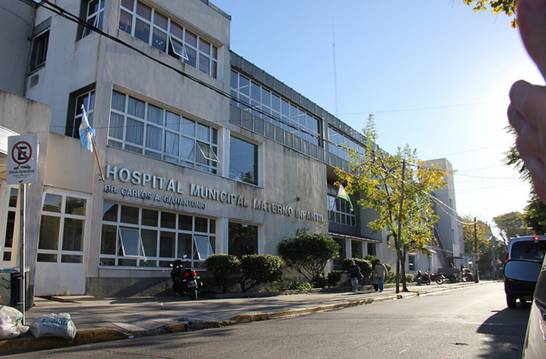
[506,6]
[534,214]
[490,251]
[376,178]
[309,253]
[510,225]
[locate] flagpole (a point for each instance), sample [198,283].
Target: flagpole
[97,158]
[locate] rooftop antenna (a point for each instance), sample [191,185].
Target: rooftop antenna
[334,62]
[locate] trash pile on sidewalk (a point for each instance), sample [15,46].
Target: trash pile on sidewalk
[50,325]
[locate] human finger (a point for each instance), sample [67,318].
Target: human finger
[532,27]
[530,101]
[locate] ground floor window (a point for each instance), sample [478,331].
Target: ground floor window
[356,249]
[371,249]
[10,224]
[243,239]
[341,253]
[411,262]
[62,228]
[142,237]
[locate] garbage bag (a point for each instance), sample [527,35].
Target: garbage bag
[54,325]
[11,322]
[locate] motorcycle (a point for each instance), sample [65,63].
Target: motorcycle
[186,282]
[467,275]
[439,278]
[422,278]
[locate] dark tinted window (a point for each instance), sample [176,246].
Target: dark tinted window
[243,165]
[529,250]
[243,239]
[39,50]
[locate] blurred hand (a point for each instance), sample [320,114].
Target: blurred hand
[527,110]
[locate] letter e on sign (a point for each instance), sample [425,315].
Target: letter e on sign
[22,159]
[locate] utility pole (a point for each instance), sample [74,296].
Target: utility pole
[398,239]
[476,269]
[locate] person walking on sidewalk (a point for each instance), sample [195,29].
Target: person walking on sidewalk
[378,276]
[355,274]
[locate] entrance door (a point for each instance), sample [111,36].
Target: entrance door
[60,267]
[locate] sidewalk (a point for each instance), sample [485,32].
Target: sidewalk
[111,319]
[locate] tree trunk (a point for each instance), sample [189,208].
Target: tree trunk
[397,245]
[403,265]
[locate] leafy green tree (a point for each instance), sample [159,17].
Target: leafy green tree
[511,224]
[376,178]
[534,214]
[483,235]
[309,253]
[497,6]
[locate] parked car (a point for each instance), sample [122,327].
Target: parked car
[525,255]
[534,346]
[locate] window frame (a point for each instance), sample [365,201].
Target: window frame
[33,54]
[211,56]
[158,228]
[75,114]
[294,125]
[98,15]
[212,163]
[340,213]
[62,215]
[256,161]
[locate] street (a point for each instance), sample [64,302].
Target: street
[466,323]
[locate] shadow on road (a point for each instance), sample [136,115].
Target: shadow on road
[506,331]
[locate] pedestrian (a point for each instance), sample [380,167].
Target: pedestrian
[355,275]
[378,276]
[527,110]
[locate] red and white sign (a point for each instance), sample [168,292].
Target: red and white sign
[22,159]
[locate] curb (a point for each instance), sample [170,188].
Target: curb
[28,343]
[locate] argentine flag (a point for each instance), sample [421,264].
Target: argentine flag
[86,132]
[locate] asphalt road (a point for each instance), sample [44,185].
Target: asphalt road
[467,323]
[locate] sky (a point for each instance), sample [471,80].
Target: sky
[435,74]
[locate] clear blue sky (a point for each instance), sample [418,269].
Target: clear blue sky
[435,74]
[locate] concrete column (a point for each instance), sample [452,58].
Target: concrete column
[224,151]
[364,248]
[261,239]
[348,249]
[222,235]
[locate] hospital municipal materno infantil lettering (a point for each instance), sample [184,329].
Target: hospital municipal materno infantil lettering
[185,166]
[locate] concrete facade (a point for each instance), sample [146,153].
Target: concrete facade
[294,182]
[16,25]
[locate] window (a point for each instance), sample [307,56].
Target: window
[411,262]
[336,142]
[356,249]
[94,15]
[339,211]
[371,249]
[62,228]
[141,237]
[283,113]
[39,50]
[166,35]
[85,98]
[141,127]
[10,224]
[243,162]
[243,239]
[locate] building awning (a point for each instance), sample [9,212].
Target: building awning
[354,238]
